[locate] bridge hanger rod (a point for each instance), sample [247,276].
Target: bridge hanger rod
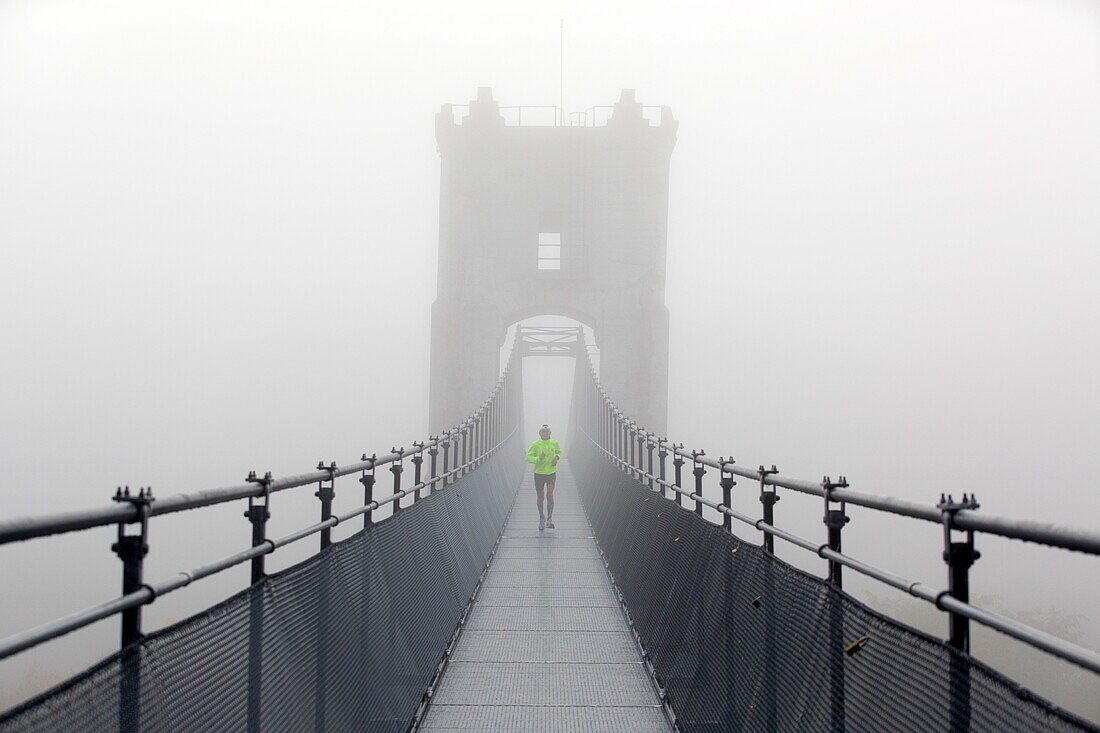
[1061,536]
[1061,648]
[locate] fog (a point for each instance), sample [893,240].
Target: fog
[219,226]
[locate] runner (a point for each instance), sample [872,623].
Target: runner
[544,453]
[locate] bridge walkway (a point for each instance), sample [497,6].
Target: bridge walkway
[546,646]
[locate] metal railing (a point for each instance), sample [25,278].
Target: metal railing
[515,112]
[631,448]
[451,455]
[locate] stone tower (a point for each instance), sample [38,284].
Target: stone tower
[562,220]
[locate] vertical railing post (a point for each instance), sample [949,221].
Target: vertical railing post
[601,423]
[457,465]
[959,556]
[649,460]
[446,458]
[326,492]
[615,430]
[612,441]
[479,443]
[834,520]
[482,443]
[257,515]
[631,468]
[622,438]
[397,469]
[662,454]
[433,454]
[727,484]
[485,443]
[639,470]
[465,448]
[611,435]
[678,480]
[768,500]
[417,461]
[131,550]
[368,479]
[605,426]
[474,447]
[493,422]
[699,470]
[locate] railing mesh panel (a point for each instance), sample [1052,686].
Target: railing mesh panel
[743,641]
[346,641]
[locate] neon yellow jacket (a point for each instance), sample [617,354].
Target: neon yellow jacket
[542,453]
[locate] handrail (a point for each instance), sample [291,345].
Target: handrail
[1079,539]
[623,435]
[151,591]
[479,436]
[25,528]
[1082,656]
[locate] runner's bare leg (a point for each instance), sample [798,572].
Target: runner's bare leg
[539,494]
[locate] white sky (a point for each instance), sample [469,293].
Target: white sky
[218,225]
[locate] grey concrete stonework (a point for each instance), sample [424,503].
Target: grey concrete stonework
[603,191]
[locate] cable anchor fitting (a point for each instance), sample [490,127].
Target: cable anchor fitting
[126,544]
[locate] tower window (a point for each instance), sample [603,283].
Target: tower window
[549,250]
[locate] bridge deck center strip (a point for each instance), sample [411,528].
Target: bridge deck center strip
[546,646]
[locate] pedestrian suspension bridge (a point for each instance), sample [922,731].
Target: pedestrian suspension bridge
[455,612]
[448,610]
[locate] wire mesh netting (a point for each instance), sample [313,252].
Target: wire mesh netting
[743,641]
[346,641]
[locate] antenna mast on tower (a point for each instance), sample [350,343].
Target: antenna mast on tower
[561,71]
